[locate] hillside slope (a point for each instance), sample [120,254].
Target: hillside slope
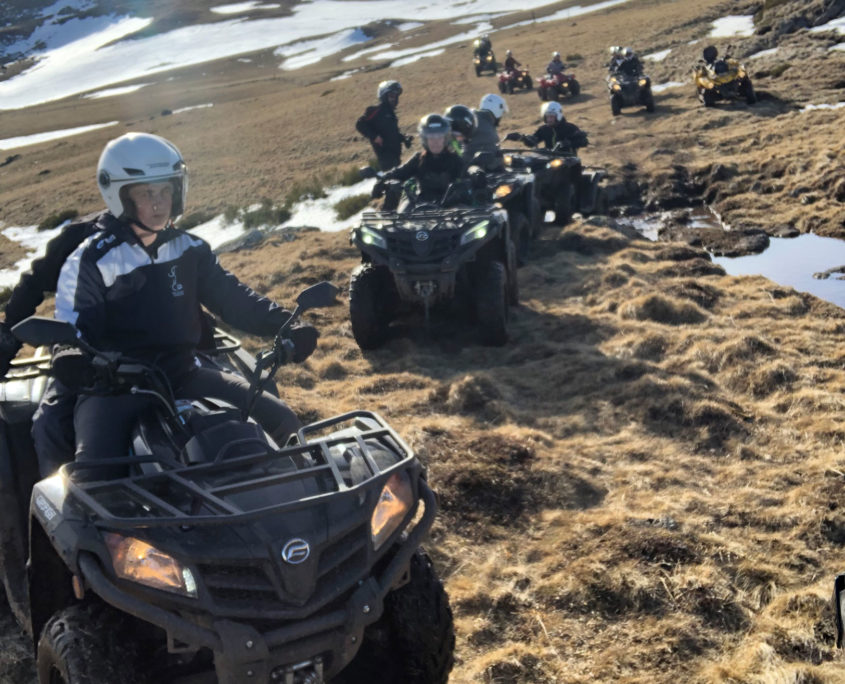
[646,483]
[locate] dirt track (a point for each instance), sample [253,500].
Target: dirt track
[646,483]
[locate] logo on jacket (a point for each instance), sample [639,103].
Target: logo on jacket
[422,236]
[175,286]
[296,551]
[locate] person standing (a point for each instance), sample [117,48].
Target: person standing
[380,125]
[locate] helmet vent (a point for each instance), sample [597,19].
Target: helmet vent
[133,172]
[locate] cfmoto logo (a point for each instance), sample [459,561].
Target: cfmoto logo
[296,551]
[422,236]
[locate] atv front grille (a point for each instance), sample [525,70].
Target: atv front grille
[407,245]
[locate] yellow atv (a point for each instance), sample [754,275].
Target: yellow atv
[722,79]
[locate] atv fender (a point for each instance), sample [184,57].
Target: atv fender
[588,197]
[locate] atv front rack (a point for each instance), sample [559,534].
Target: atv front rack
[433,218]
[203,494]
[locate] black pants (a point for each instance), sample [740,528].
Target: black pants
[387,159]
[103,425]
[52,428]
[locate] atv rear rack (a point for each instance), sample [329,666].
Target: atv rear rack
[200,494]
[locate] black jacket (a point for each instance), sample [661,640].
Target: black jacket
[145,301]
[569,135]
[434,173]
[380,120]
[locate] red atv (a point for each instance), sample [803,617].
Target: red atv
[551,87]
[513,79]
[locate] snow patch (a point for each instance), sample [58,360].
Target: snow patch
[665,86]
[658,56]
[35,138]
[814,107]
[188,109]
[111,92]
[765,53]
[34,241]
[239,7]
[733,25]
[837,25]
[297,55]
[413,58]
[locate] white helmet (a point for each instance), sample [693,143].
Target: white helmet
[387,87]
[140,158]
[628,53]
[555,55]
[495,104]
[508,53]
[551,108]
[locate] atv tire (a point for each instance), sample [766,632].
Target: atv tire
[708,97]
[528,83]
[616,104]
[542,94]
[84,644]
[509,88]
[574,88]
[414,640]
[478,71]
[748,91]
[502,88]
[563,204]
[649,104]
[521,234]
[491,306]
[370,305]
[537,218]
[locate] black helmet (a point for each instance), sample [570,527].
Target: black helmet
[433,124]
[462,119]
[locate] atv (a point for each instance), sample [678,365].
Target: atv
[513,79]
[215,555]
[484,61]
[552,87]
[629,90]
[456,251]
[562,184]
[722,79]
[515,191]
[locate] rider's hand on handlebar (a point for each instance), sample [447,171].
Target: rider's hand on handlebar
[9,345]
[378,190]
[73,368]
[407,139]
[513,136]
[297,346]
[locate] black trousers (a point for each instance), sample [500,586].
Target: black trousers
[103,424]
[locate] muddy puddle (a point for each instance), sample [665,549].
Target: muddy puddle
[807,263]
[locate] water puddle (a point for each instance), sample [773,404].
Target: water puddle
[793,262]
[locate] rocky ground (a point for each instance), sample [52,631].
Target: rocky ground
[646,483]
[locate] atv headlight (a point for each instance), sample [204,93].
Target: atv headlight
[372,237]
[508,160]
[141,562]
[478,231]
[502,191]
[643,81]
[394,503]
[616,88]
[554,163]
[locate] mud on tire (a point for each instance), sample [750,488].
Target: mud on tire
[86,644]
[370,305]
[414,640]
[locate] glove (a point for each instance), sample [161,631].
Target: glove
[513,136]
[302,340]
[73,368]
[378,190]
[407,139]
[9,346]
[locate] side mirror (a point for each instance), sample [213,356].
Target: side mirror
[317,296]
[40,331]
[367,172]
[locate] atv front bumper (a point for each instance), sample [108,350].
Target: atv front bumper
[242,653]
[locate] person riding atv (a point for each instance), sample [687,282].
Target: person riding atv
[554,131]
[483,58]
[721,79]
[433,169]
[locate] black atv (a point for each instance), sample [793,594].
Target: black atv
[434,253]
[562,184]
[516,191]
[629,90]
[484,61]
[217,556]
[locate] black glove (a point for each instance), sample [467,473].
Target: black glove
[378,190]
[513,136]
[299,344]
[407,139]
[72,367]
[9,346]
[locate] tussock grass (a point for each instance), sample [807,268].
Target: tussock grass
[57,219]
[351,205]
[661,309]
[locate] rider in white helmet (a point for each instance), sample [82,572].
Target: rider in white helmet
[556,66]
[555,132]
[136,289]
[490,111]
[511,62]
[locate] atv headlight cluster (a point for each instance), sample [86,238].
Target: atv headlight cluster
[643,81]
[616,87]
[554,163]
[503,190]
[478,231]
[372,237]
[394,503]
[138,561]
[508,160]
